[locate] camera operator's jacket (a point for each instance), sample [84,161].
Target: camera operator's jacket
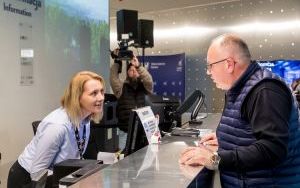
[130,95]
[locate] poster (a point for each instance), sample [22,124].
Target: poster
[26,55]
[168,73]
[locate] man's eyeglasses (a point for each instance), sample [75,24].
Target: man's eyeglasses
[208,66]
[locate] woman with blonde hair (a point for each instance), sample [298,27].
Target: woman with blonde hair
[64,133]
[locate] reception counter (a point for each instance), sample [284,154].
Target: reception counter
[155,166]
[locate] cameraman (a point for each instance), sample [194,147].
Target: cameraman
[130,92]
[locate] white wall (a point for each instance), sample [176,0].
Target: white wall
[60,50]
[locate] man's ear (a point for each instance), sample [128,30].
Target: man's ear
[230,65]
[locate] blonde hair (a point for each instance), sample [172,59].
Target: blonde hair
[70,101]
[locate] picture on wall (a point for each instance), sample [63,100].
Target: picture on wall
[168,73]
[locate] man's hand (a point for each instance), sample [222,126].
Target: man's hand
[190,172]
[209,139]
[196,156]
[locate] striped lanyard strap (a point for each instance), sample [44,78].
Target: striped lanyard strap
[80,143]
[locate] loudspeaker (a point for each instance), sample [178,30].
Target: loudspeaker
[145,33]
[127,23]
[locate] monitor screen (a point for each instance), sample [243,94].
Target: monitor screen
[164,106]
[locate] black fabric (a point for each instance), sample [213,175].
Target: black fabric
[133,96]
[18,177]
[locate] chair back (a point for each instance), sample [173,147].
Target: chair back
[35,125]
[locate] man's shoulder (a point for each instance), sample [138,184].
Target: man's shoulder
[271,84]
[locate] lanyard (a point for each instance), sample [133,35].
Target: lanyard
[80,143]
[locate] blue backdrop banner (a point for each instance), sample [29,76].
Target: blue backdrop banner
[168,72]
[289,70]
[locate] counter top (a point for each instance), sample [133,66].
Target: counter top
[153,166]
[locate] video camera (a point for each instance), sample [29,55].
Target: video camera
[127,32]
[123,53]
[132,32]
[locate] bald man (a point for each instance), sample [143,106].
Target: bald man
[258,137]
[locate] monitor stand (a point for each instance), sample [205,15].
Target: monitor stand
[195,123]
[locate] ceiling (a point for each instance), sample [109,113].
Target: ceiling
[147,6]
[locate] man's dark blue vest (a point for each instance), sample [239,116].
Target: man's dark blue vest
[233,131]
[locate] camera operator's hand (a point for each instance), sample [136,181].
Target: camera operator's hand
[114,54]
[135,62]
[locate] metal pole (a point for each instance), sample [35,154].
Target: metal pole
[143,56]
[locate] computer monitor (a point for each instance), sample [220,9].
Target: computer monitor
[164,106]
[136,137]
